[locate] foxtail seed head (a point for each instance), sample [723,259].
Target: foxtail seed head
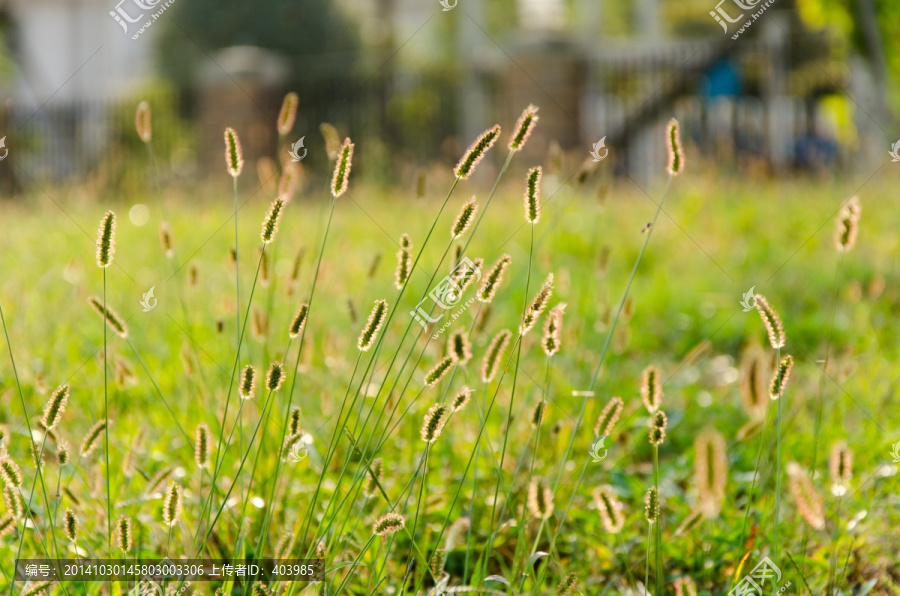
[288,113]
[71,525]
[106,240]
[461,400]
[201,446]
[540,498]
[658,424]
[440,369]
[247,386]
[341,176]
[566,586]
[275,376]
[37,588]
[13,499]
[234,157]
[466,274]
[375,475]
[533,196]
[464,218]
[676,151]
[37,454]
[458,346]
[809,503]
[172,503]
[610,509]
[143,122]
[92,438]
[492,280]
[299,320]
[492,356]
[537,415]
[840,467]
[55,407]
[294,421]
[651,389]
[165,239]
[438,559]
[524,126]
[651,505]
[62,452]
[537,306]
[608,417]
[124,534]
[388,524]
[847,225]
[10,472]
[690,522]
[270,224]
[114,321]
[459,527]
[772,322]
[376,320]
[332,140]
[434,421]
[753,383]
[781,376]
[404,262]
[684,586]
[7,525]
[552,328]
[476,152]
[710,470]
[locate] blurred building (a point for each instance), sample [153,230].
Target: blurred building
[749,87]
[71,60]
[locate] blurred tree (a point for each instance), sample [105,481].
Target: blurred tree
[867,29]
[313,35]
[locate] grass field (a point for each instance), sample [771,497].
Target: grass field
[714,240]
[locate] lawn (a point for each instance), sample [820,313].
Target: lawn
[715,238]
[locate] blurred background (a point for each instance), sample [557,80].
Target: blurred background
[761,87]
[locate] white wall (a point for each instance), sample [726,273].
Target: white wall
[74,50]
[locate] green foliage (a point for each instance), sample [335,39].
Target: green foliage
[686,319]
[313,35]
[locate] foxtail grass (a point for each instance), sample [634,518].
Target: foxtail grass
[463,162]
[530,314]
[299,323]
[710,470]
[106,249]
[676,167]
[610,509]
[846,231]
[806,497]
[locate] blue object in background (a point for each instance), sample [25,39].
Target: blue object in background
[723,79]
